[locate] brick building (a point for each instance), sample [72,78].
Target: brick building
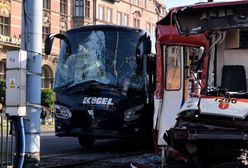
[61,15]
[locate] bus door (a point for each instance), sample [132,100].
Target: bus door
[173,95]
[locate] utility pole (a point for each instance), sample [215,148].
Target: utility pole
[31,41]
[94,12]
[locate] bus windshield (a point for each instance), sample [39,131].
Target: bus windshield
[107,57]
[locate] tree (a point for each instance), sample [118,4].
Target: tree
[47,101]
[47,98]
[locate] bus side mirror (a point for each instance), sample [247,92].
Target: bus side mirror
[144,46]
[147,45]
[49,42]
[201,51]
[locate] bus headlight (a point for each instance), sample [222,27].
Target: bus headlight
[132,113]
[62,112]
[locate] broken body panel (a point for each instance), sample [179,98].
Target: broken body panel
[217,114]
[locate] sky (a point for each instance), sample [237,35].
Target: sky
[174,3]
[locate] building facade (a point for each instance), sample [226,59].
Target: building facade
[133,13]
[61,15]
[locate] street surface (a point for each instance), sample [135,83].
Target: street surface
[62,151]
[108,153]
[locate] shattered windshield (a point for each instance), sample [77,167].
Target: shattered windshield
[107,57]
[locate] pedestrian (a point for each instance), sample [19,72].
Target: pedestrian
[43,116]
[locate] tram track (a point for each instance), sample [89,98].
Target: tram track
[76,159]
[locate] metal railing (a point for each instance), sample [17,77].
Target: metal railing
[7,144]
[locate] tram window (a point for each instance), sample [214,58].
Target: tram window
[173,67]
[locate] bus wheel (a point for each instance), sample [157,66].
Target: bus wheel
[86,141]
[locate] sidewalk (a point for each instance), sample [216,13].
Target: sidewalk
[47,128]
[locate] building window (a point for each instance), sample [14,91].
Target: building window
[119,18]
[47,77]
[145,4]
[136,23]
[109,15]
[136,2]
[78,7]
[63,6]
[101,13]
[4,26]
[2,69]
[126,20]
[61,41]
[46,4]
[87,8]
[148,27]
[45,32]
[164,11]
[153,29]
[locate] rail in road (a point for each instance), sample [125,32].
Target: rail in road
[95,160]
[67,152]
[119,161]
[58,160]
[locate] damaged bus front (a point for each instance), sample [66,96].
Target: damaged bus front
[103,83]
[201,96]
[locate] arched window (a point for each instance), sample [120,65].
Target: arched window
[47,77]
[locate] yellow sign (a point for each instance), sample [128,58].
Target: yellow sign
[12,83]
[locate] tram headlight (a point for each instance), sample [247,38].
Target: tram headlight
[62,112]
[132,113]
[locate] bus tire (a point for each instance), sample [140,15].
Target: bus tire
[86,141]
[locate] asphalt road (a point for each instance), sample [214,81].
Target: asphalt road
[50,144]
[114,153]
[62,151]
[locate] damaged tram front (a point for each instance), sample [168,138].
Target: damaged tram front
[103,83]
[201,98]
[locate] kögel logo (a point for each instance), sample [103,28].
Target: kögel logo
[98,100]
